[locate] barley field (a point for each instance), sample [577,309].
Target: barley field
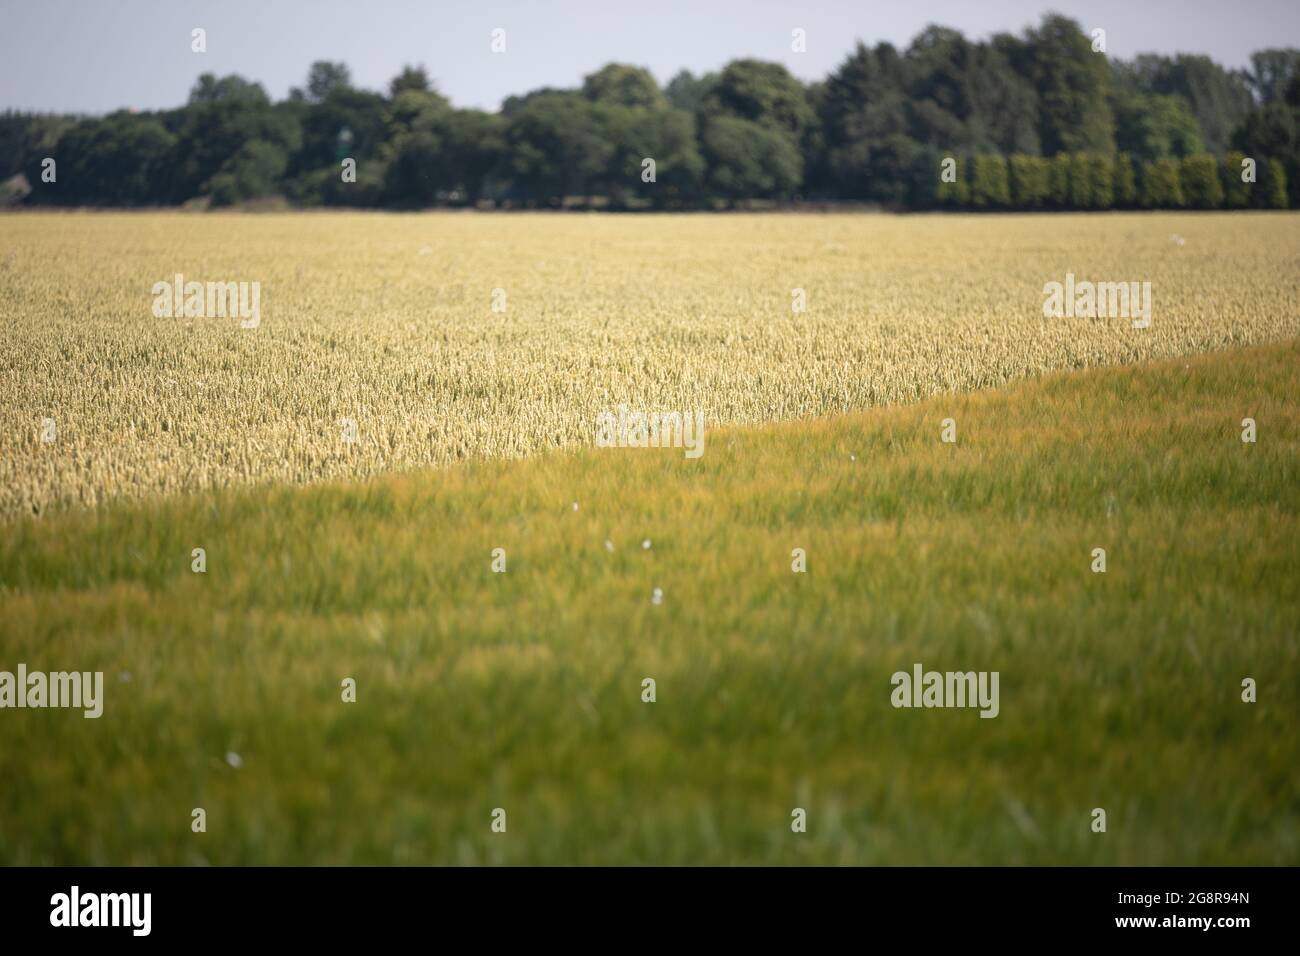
[388,320]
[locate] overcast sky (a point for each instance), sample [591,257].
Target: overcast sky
[98,55]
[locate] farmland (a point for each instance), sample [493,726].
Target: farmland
[388,321]
[521,688]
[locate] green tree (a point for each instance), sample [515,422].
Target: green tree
[1271,71]
[665,136]
[923,177]
[1217,98]
[817,179]
[253,170]
[26,138]
[556,148]
[434,154]
[346,123]
[1072,83]
[1267,131]
[747,160]
[877,129]
[1154,127]
[445,156]
[414,78]
[1272,132]
[768,98]
[225,115]
[618,84]
[118,160]
[762,93]
[862,106]
[410,167]
[1125,182]
[323,78]
[473,149]
[686,91]
[891,168]
[966,95]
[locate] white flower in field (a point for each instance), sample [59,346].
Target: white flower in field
[646,544]
[1177,239]
[853,457]
[575,506]
[609,546]
[657,597]
[234,760]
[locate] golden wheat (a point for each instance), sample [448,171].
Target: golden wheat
[388,320]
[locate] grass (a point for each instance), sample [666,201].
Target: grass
[522,690]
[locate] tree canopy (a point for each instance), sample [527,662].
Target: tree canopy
[1039,120]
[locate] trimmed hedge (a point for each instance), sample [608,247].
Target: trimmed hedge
[1101,181]
[1199,175]
[989,185]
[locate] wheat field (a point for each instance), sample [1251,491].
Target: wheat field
[388,320]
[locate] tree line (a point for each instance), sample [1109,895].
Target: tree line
[1041,120]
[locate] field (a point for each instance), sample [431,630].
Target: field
[387,320]
[523,690]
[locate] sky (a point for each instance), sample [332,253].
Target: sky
[94,56]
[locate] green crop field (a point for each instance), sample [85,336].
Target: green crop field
[523,690]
